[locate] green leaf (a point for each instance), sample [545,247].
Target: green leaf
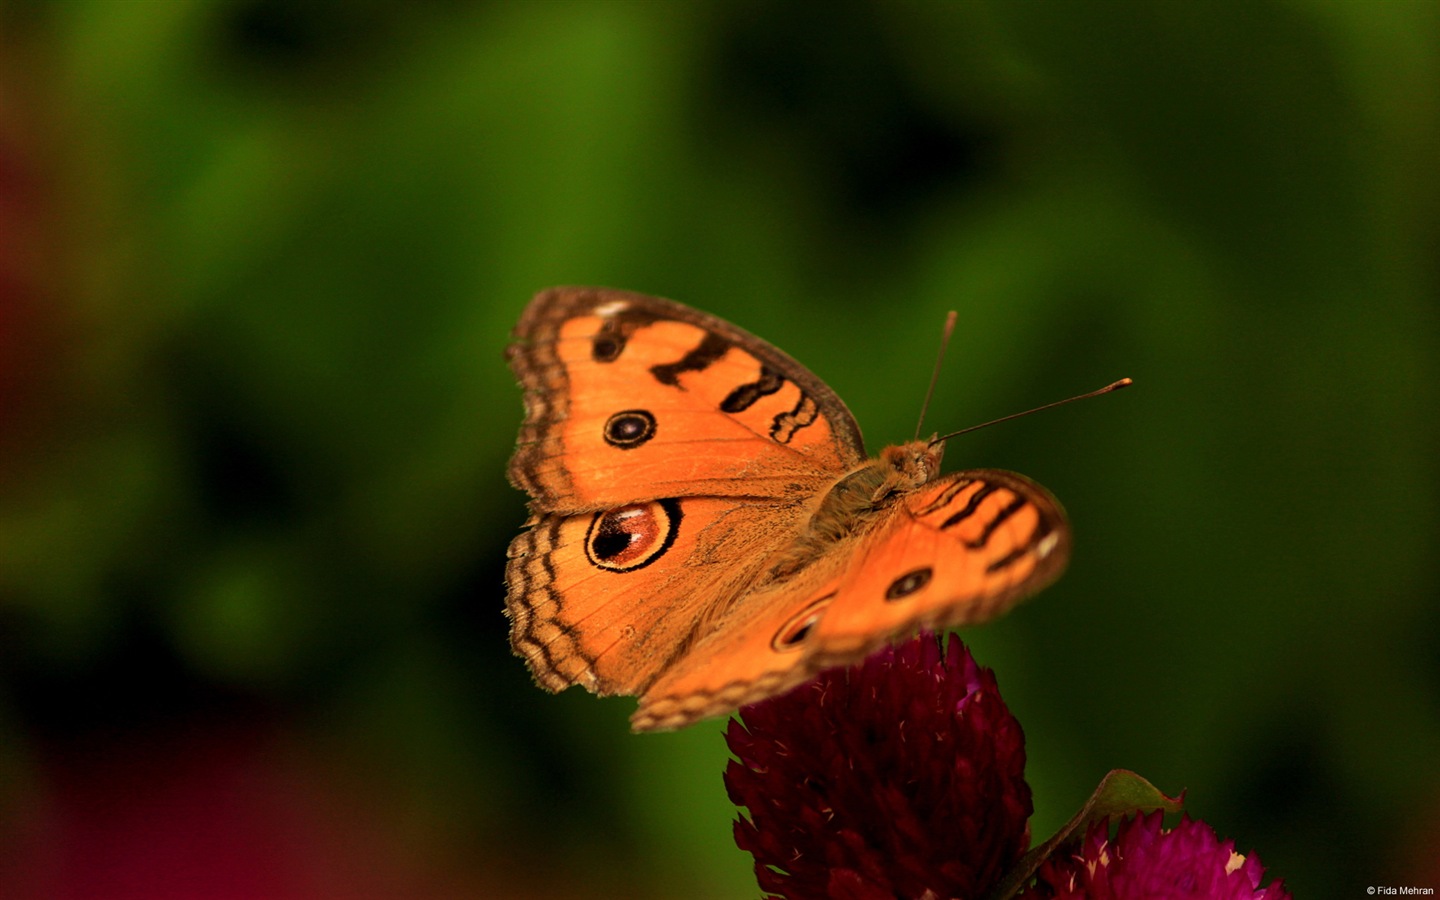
[1120,792]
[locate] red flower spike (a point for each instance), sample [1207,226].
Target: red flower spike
[900,777]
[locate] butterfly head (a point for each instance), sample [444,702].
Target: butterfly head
[911,465]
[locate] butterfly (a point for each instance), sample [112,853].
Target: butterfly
[706,529]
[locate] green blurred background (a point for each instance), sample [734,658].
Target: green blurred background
[258,263]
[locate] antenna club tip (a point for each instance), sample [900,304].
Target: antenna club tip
[1113,386]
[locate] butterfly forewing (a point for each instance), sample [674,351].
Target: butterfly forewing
[631,398]
[960,551]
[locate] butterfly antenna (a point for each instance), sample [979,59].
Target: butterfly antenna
[935,376]
[1115,386]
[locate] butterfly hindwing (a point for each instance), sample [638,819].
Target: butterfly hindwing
[758,649]
[608,599]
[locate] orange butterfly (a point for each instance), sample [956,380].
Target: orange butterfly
[706,529]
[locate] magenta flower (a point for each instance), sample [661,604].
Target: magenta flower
[1146,862]
[899,777]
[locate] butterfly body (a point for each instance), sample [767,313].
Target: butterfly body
[706,528]
[855,501]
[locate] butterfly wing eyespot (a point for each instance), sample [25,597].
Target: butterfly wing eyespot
[909,583]
[632,537]
[630,428]
[793,633]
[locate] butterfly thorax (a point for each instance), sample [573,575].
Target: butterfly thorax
[856,499]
